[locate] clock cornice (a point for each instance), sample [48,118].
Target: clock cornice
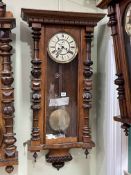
[60,17]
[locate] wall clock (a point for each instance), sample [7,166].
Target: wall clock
[119,13]
[61,82]
[8,152]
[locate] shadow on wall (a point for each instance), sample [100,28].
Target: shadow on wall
[129,151]
[102,99]
[26,56]
[78,166]
[101,90]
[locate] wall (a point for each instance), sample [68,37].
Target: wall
[129,151]
[22,42]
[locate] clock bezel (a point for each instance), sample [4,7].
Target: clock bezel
[63,62]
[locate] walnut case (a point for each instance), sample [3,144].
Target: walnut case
[76,82]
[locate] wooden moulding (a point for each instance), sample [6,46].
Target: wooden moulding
[59,17]
[44,24]
[8,152]
[116,12]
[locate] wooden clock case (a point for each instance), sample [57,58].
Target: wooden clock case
[44,25]
[116,12]
[8,152]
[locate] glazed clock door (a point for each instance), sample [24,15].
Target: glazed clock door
[62,85]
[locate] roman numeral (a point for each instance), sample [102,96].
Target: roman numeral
[53,51]
[70,52]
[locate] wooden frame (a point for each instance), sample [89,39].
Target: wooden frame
[116,11]
[8,152]
[78,24]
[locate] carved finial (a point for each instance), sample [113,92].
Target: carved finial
[126,127]
[86,152]
[2,9]
[9,169]
[58,165]
[35,155]
[58,159]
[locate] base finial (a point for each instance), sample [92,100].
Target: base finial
[9,169]
[126,127]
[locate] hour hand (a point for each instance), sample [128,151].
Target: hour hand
[58,53]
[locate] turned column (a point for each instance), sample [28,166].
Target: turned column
[7,95]
[87,95]
[9,154]
[36,87]
[7,92]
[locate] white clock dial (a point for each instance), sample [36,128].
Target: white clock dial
[62,48]
[128,21]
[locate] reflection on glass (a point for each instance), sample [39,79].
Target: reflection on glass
[127,37]
[128,22]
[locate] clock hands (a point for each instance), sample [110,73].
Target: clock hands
[58,52]
[62,46]
[61,49]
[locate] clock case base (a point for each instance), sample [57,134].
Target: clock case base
[58,154]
